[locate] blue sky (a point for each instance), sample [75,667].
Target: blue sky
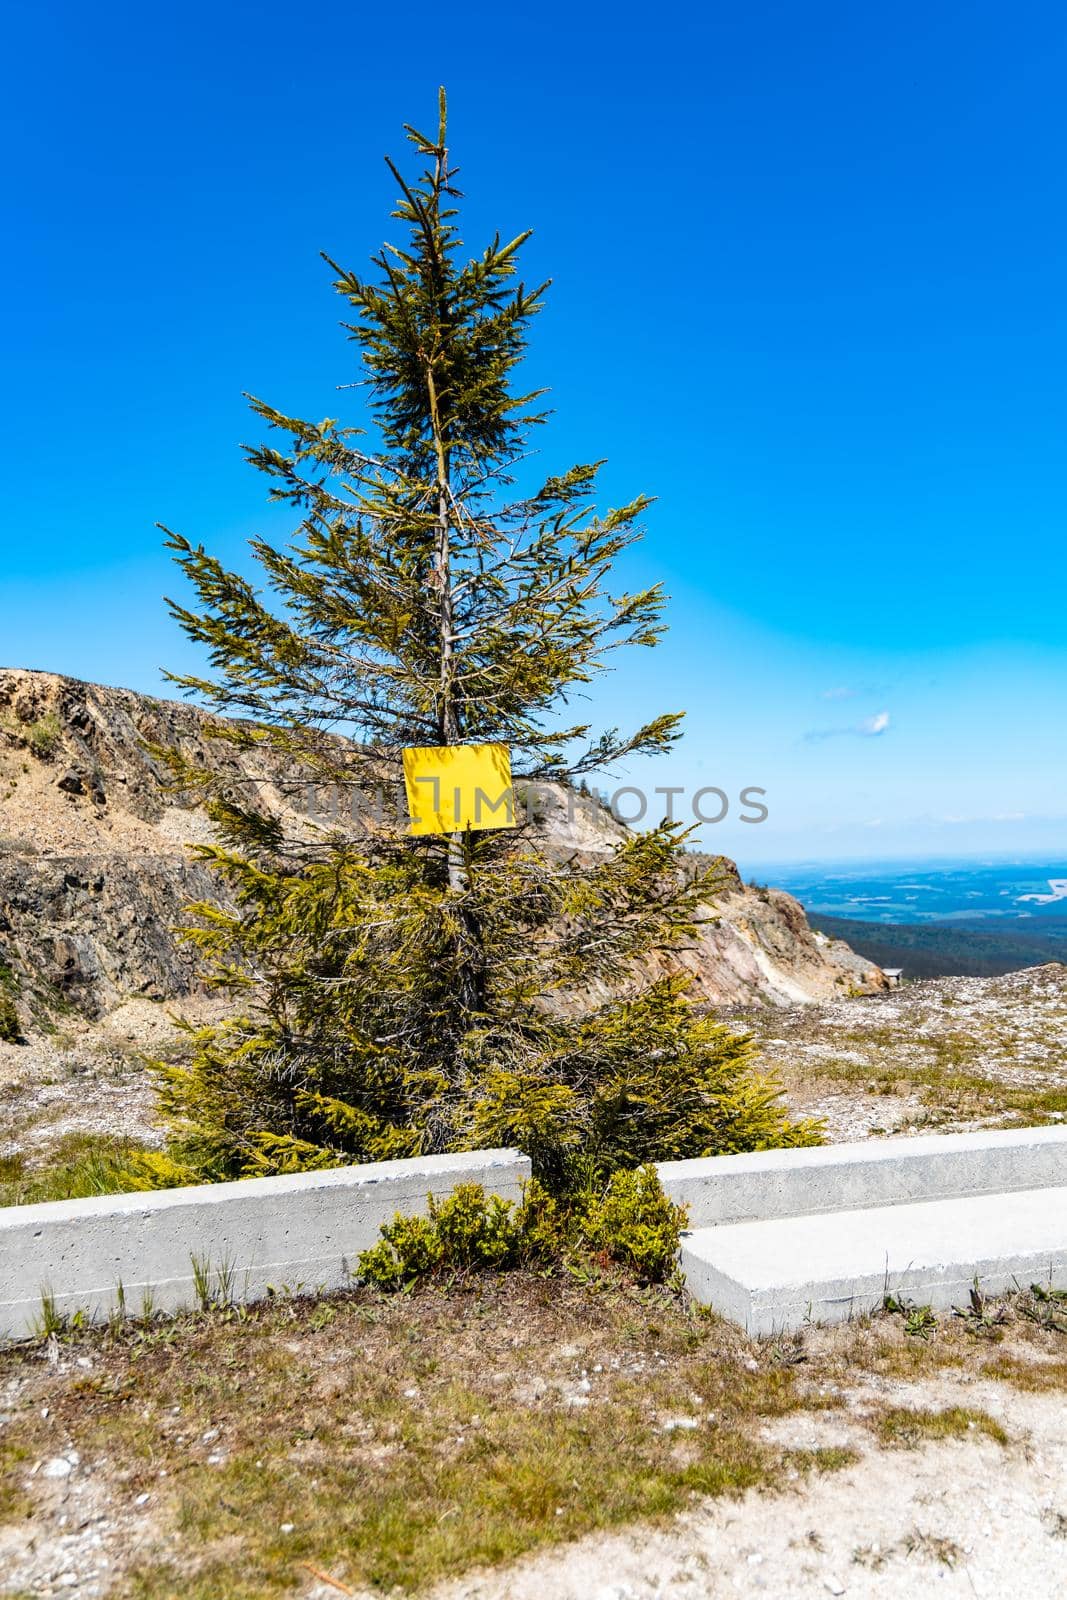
[809,273]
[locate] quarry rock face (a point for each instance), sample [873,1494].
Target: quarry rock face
[90,931]
[95,867]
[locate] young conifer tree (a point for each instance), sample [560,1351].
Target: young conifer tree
[397,994]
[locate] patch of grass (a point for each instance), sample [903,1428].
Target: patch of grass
[823,1458]
[12,1169]
[43,736]
[885,1350]
[961,1064]
[906,1427]
[1017,1324]
[1033,1377]
[439,1498]
[947,1092]
[78,1164]
[971,1095]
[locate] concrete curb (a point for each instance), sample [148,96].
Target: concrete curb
[775,1276]
[303,1231]
[872,1172]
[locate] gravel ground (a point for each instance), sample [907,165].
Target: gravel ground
[938,1054]
[89,1078]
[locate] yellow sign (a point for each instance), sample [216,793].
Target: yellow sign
[457,786]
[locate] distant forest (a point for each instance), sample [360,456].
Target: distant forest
[942,950]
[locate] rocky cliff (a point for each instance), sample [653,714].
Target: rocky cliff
[94,869]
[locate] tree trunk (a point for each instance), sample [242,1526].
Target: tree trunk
[471,973]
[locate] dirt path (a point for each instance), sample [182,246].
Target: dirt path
[967,1517]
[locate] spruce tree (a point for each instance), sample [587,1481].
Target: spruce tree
[398,995]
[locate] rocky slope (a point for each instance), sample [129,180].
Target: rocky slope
[94,869]
[940,1055]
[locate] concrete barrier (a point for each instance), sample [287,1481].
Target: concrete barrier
[302,1231]
[775,1276]
[872,1172]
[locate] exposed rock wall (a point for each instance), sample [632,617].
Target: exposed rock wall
[91,931]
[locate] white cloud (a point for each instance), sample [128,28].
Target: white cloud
[870,728]
[998,816]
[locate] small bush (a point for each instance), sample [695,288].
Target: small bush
[468,1230]
[43,736]
[475,1229]
[544,1228]
[10,1027]
[409,1249]
[633,1222]
[636,1224]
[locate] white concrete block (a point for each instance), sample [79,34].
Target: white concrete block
[774,1276]
[872,1172]
[304,1230]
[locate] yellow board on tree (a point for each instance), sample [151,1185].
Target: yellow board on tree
[453,787]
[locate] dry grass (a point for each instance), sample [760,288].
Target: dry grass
[1032,1377]
[907,1427]
[395,1441]
[926,1546]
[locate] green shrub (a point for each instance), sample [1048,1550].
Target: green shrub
[10,1028]
[544,1227]
[633,1222]
[467,1230]
[475,1229]
[636,1224]
[409,1248]
[43,736]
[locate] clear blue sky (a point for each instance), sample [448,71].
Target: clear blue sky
[810,266]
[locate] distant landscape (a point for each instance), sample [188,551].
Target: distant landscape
[939,918]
